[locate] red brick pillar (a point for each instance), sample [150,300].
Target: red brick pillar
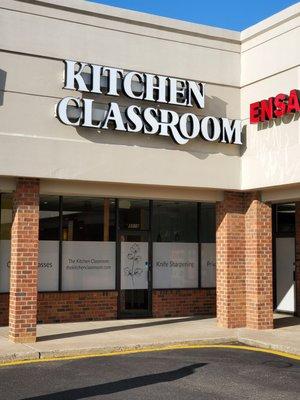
[297,263]
[258,263]
[244,262]
[24,261]
[230,241]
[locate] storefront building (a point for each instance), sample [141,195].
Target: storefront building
[148,167]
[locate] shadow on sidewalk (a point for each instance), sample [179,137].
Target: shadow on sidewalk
[285,322]
[117,328]
[121,385]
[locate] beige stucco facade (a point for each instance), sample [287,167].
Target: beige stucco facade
[237,68]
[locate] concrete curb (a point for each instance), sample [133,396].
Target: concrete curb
[113,349]
[266,345]
[57,353]
[33,355]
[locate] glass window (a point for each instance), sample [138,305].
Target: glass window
[5,235]
[208,223]
[88,250]
[285,219]
[134,214]
[175,245]
[175,221]
[208,244]
[6,216]
[88,265]
[48,272]
[88,219]
[49,218]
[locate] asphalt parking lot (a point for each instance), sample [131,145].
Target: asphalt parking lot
[174,374]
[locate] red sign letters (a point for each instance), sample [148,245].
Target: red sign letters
[274,107]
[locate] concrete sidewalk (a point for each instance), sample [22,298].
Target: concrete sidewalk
[55,340]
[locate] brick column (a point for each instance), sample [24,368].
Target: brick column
[258,263]
[297,263]
[24,261]
[244,262]
[230,243]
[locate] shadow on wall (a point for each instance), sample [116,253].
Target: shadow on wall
[286,119]
[2,85]
[214,106]
[244,140]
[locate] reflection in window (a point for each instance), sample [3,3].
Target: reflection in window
[6,216]
[49,218]
[208,223]
[88,219]
[134,214]
[175,222]
[285,219]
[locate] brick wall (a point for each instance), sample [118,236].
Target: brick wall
[230,241]
[258,263]
[297,259]
[183,302]
[77,306]
[244,261]
[24,261]
[88,306]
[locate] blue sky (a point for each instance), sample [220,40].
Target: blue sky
[230,14]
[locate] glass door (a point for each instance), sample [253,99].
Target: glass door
[284,258]
[135,274]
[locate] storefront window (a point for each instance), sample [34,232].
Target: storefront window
[77,248]
[5,235]
[88,219]
[208,245]
[134,214]
[175,245]
[6,216]
[208,223]
[175,221]
[49,218]
[88,250]
[48,272]
[285,219]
